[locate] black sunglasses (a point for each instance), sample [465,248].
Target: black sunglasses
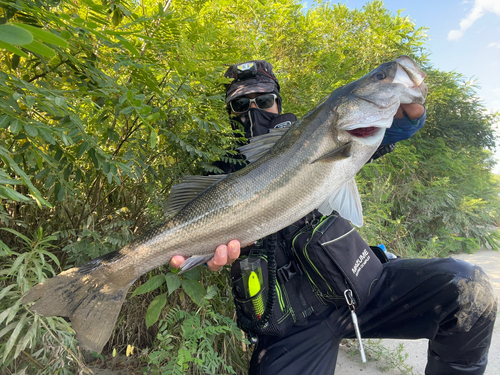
[241,105]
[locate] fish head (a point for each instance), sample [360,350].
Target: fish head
[370,103]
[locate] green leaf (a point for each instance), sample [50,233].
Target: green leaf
[50,255]
[30,100]
[11,48]
[153,283]
[8,193]
[5,313]
[50,181]
[194,274]
[28,338]
[44,172]
[173,282]
[14,335]
[37,47]
[65,34]
[129,46]
[6,180]
[15,126]
[15,35]
[45,134]
[5,290]
[43,35]
[10,327]
[152,138]
[155,309]
[128,110]
[211,292]
[61,194]
[30,130]
[195,290]
[5,121]
[81,149]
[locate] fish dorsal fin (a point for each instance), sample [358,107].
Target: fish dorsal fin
[346,202]
[341,152]
[190,187]
[260,144]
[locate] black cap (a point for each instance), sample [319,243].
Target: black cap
[250,77]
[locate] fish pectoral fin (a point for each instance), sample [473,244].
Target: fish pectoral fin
[194,261]
[184,192]
[346,202]
[340,153]
[261,144]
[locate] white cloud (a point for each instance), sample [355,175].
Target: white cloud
[494,44]
[479,9]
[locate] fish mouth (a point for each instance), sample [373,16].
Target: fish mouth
[364,132]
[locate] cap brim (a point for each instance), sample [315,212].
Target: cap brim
[245,87]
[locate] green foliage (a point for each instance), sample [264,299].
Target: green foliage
[191,340]
[46,337]
[104,105]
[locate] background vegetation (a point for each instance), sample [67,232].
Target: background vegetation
[105,104]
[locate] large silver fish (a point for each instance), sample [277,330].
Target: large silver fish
[311,165]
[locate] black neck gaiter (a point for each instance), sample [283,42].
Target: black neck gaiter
[256,122]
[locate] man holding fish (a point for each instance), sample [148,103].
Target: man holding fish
[294,203]
[417,299]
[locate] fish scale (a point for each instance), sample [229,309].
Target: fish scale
[311,166]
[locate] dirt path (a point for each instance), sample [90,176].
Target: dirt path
[349,363]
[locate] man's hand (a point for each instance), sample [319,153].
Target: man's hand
[413,111]
[224,254]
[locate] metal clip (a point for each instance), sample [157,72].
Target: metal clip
[350,303]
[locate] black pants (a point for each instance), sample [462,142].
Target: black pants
[450,302]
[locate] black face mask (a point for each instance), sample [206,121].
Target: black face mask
[256,121]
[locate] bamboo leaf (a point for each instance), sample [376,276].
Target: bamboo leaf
[4,314]
[13,337]
[129,46]
[4,291]
[40,200]
[8,193]
[37,47]
[11,48]
[27,339]
[15,35]
[43,35]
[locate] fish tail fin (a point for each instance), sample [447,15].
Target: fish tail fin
[90,297]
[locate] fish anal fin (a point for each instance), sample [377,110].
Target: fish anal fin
[339,153]
[195,261]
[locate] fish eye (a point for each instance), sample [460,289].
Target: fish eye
[379,76]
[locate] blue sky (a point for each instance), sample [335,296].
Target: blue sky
[464,36]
